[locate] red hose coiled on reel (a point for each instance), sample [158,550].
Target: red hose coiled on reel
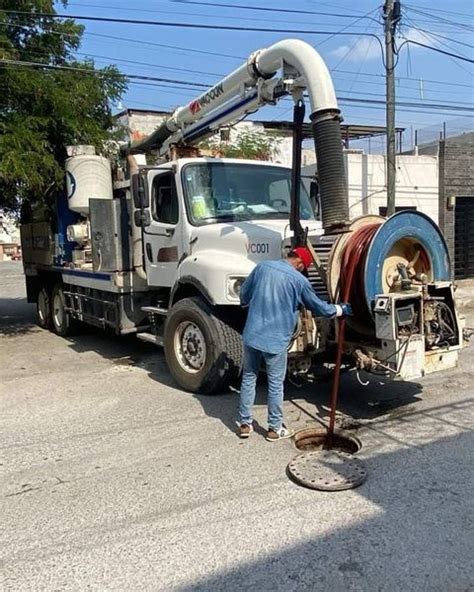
[352,287]
[351,290]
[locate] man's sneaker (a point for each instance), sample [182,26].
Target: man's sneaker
[281,434]
[245,430]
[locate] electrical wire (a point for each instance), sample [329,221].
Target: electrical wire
[351,24]
[437,49]
[463,15]
[194,50]
[437,34]
[367,102]
[196,14]
[429,37]
[99,72]
[204,26]
[196,85]
[266,9]
[441,19]
[434,37]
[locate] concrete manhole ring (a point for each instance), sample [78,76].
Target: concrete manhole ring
[327,470]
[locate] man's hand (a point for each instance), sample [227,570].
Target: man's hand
[346,309]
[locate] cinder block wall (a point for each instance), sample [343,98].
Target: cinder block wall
[456,178]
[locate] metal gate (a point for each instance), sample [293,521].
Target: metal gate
[464,237]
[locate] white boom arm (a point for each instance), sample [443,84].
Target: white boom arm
[247,88]
[254,85]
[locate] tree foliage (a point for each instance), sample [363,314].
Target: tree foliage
[247,144]
[42,109]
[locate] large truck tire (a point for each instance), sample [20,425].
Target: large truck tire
[43,308]
[62,322]
[203,352]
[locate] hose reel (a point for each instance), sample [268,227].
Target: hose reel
[408,246]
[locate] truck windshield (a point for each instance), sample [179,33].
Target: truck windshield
[227,192]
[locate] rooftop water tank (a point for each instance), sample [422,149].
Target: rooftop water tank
[87,176]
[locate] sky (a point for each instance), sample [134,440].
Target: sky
[354,58]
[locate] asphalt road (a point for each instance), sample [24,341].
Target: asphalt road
[114,479]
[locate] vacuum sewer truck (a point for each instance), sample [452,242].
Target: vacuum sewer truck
[161,251]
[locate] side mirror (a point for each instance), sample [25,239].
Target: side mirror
[142,218]
[139,191]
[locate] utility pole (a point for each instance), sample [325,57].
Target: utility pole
[391,17]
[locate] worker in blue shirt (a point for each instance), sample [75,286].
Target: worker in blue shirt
[273,292]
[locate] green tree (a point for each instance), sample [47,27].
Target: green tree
[43,109]
[248,144]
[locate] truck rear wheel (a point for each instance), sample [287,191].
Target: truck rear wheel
[203,352]
[43,308]
[62,322]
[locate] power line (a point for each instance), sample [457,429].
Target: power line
[435,37]
[265,9]
[352,23]
[193,50]
[204,26]
[441,19]
[40,65]
[172,68]
[197,85]
[219,75]
[137,41]
[442,82]
[193,85]
[448,12]
[437,49]
[213,16]
[432,36]
[436,34]
[101,57]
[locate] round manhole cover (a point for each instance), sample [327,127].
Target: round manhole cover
[328,470]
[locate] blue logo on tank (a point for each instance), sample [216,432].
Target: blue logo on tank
[70,185]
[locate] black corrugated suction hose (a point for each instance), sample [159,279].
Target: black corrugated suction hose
[331,171]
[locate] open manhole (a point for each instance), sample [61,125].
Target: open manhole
[316,439]
[327,466]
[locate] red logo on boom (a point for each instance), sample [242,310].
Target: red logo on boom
[195,107]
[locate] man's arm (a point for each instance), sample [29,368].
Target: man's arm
[319,307]
[247,288]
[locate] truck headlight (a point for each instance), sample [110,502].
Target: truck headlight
[233,287]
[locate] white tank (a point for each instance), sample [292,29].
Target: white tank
[87,176]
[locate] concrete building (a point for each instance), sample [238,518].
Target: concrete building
[9,239]
[416,183]
[139,123]
[456,198]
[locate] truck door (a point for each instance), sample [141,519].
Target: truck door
[162,240]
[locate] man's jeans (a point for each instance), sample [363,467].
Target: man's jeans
[276,370]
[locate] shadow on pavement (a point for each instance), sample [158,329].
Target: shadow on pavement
[355,399]
[359,402]
[17,317]
[410,541]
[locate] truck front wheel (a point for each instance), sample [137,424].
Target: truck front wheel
[203,352]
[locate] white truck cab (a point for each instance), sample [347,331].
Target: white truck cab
[211,220]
